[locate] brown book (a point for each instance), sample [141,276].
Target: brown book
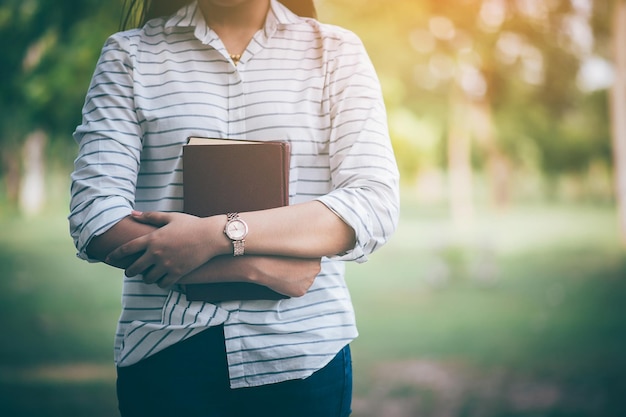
[222,176]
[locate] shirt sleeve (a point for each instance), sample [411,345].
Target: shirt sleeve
[364,173]
[109,140]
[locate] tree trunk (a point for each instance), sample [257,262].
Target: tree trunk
[618,112]
[32,186]
[460,163]
[11,174]
[498,165]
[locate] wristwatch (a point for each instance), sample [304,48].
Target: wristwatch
[236,230]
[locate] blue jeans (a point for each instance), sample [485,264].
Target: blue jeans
[190,379]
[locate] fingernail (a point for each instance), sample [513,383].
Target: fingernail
[136,213]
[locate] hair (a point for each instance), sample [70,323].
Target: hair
[138,12]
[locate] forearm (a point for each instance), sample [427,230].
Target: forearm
[308,230]
[124,231]
[286,275]
[183,243]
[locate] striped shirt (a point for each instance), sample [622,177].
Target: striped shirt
[301,81]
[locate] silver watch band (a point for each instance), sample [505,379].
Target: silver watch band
[238,241]
[238,247]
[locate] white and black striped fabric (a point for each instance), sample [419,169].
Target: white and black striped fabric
[299,80]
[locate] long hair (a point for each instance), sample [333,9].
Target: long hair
[138,12]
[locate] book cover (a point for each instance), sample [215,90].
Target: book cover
[222,176]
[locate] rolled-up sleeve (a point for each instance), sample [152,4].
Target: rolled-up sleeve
[109,139]
[365,178]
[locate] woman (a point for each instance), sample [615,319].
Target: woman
[239,69]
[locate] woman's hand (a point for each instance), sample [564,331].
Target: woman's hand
[181,244]
[286,275]
[289,276]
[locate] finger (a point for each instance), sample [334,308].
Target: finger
[155,218]
[133,247]
[143,266]
[153,275]
[167,280]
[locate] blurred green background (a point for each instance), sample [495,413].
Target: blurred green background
[501,293]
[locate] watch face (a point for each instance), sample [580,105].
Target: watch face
[236,229]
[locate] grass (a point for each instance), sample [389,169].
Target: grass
[531,298]
[520,315]
[57,314]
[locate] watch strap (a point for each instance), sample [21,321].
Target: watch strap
[238,245]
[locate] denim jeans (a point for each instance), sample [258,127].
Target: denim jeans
[190,379]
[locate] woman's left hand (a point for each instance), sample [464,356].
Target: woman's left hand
[181,244]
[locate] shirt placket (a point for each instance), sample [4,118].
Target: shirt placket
[236,105]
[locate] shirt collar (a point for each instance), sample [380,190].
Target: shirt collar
[191,16]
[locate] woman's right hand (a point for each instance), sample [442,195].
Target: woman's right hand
[179,244]
[286,275]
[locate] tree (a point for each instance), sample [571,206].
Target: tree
[609,25]
[618,110]
[491,74]
[49,52]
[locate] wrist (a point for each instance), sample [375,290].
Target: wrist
[236,229]
[221,243]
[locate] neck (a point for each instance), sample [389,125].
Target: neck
[235,21]
[234,14]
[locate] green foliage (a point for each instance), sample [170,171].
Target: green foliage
[48,58]
[526,58]
[580,137]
